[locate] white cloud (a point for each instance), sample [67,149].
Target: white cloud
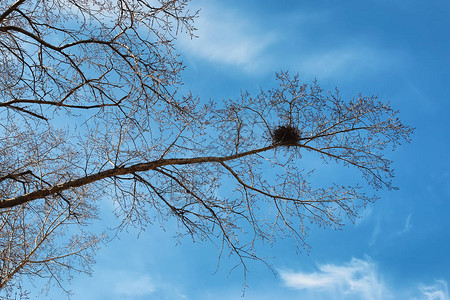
[358,278]
[437,291]
[133,285]
[350,59]
[227,37]
[365,216]
[129,285]
[407,227]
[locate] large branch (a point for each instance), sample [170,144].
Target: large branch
[10,10]
[42,193]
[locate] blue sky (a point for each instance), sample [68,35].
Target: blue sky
[400,247]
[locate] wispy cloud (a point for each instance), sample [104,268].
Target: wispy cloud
[237,38]
[133,285]
[143,285]
[406,227]
[437,291]
[356,278]
[349,59]
[229,38]
[375,233]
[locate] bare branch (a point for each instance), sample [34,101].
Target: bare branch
[10,9]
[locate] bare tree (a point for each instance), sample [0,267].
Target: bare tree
[90,110]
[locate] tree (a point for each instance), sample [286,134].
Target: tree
[90,110]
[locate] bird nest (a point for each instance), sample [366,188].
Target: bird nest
[286,135]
